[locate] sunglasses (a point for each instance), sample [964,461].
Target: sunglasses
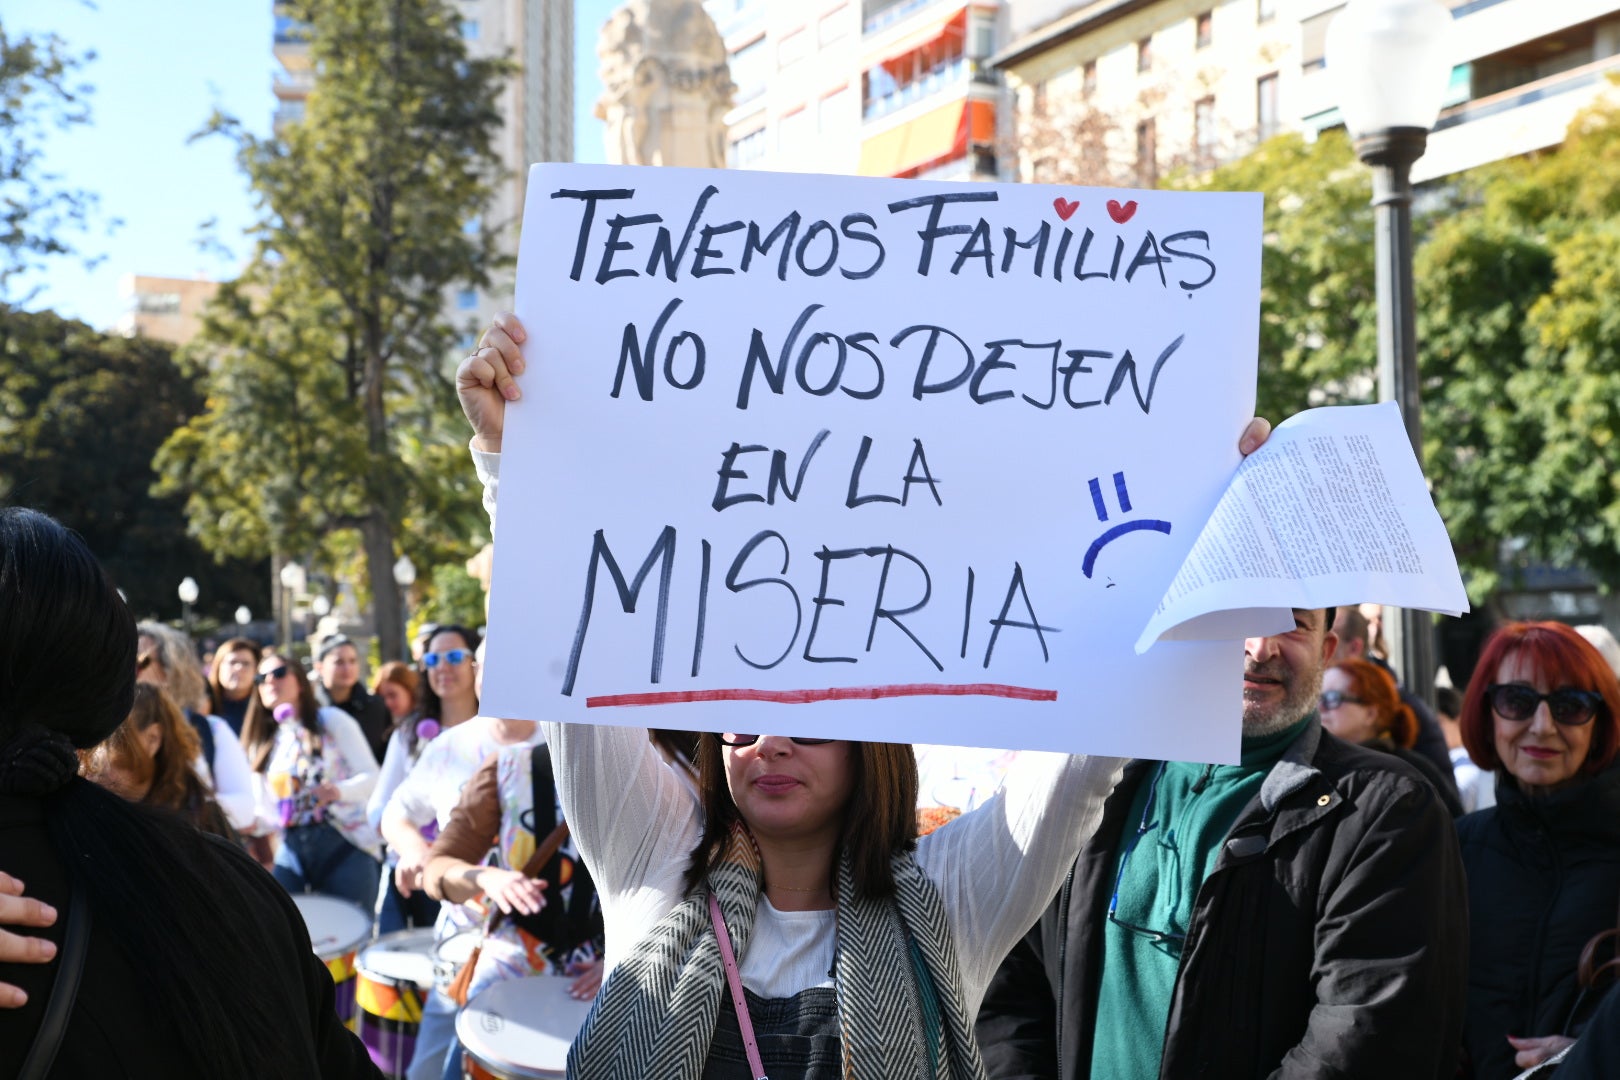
[1332,699]
[145,662]
[271,675]
[1567,705]
[730,739]
[449,656]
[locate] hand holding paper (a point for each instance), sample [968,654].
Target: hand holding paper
[1333,510]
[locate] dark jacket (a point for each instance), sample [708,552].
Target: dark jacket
[367,708]
[115,1031]
[1543,879]
[1328,942]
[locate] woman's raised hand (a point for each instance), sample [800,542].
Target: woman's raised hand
[512,892]
[486,380]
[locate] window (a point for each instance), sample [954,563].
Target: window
[1088,78]
[834,110]
[793,130]
[833,25]
[1205,136]
[792,48]
[167,303]
[1206,29]
[466,300]
[898,82]
[1144,55]
[1265,106]
[1265,10]
[749,69]
[746,151]
[469,29]
[1147,154]
[1037,99]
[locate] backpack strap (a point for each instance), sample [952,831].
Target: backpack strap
[205,734]
[64,992]
[545,790]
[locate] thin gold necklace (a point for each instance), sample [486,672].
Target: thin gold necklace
[790,888]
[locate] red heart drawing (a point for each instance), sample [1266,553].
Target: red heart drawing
[1121,214]
[1065,209]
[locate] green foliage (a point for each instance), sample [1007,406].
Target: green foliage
[330,408]
[80,416]
[454,597]
[38,91]
[1318,307]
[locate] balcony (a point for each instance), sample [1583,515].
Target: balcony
[877,19]
[1526,118]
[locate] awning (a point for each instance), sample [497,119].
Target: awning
[942,133]
[954,23]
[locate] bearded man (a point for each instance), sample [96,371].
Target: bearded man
[1299,915]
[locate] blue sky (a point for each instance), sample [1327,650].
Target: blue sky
[160,69]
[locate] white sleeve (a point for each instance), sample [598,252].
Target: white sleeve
[634,820]
[233,780]
[395,766]
[411,803]
[998,867]
[351,742]
[488,467]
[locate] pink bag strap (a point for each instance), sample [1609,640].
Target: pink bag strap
[734,980]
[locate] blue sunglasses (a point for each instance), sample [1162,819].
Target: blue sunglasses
[449,656]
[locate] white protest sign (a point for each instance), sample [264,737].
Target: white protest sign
[870,459]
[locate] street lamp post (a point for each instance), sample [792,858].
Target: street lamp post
[188,596]
[405,577]
[1391,62]
[292,584]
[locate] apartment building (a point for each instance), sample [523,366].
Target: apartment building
[537,105]
[869,87]
[162,308]
[1161,83]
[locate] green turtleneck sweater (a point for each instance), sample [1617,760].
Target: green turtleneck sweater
[1193,810]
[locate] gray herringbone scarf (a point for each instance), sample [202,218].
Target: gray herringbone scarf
[900,1006]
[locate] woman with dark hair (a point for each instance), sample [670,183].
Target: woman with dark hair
[1543,710]
[850,947]
[1361,704]
[452,703]
[148,976]
[315,772]
[230,681]
[151,758]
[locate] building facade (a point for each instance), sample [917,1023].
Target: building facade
[1141,86]
[537,105]
[161,308]
[868,87]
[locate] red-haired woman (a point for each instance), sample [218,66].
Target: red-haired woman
[1543,710]
[151,758]
[1361,704]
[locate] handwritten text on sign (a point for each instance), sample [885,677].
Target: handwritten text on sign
[863,458]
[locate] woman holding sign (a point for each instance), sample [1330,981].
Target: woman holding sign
[787,919]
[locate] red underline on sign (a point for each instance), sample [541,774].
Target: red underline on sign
[835,693]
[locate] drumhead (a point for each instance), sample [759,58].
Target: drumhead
[523,1027]
[400,957]
[336,926]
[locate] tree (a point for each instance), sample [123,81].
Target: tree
[80,416]
[38,90]
[330,406]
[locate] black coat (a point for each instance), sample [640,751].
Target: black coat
[1543,879]
[368,709]
[116,1030]
[1328,942]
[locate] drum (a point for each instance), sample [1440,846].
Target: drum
[392,982]
[337,929]
[451,953]
[520,1028]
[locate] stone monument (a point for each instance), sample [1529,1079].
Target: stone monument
[666,86]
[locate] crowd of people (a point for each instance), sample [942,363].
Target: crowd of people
[1377,889]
